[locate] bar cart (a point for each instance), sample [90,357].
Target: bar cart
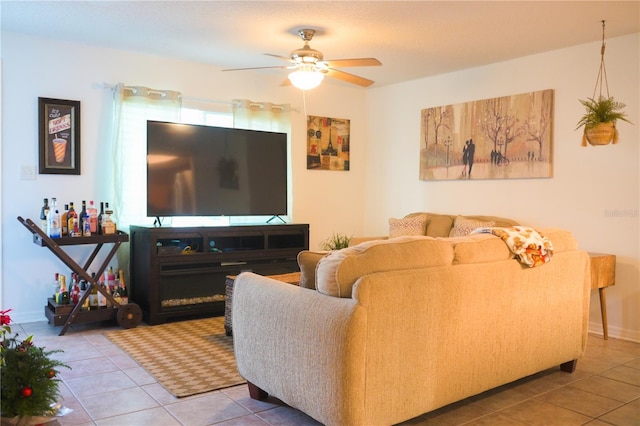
[128,315]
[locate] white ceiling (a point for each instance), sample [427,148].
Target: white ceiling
[412,39]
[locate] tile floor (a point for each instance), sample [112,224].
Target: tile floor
[106,387]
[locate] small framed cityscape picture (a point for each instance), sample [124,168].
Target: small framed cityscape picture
[59,136]
[328,143]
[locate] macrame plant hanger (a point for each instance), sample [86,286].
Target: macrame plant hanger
[602,74]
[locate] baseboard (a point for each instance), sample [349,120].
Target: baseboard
[615,332]
[27,317]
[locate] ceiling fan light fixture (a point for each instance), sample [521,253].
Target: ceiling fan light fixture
[306,79]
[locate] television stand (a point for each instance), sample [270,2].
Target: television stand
[275,216]
[181,271]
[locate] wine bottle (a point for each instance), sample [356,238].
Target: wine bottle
[82,217]
[100,218]
[56,286]
[102,299]
[44,212]
[64,292]
[93,293]
[111,280]
[84,287]
[122,290]
[75,289]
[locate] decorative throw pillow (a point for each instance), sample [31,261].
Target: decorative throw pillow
[408,226]
[307,261]
[463,226]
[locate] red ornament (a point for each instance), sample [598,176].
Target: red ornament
[51,374]
[26,392]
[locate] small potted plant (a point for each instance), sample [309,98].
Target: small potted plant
[28,376]
[599,120]
[336,241]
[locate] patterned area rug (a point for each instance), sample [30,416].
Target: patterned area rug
[186,358]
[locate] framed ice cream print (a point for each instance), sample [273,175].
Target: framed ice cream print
[59,136]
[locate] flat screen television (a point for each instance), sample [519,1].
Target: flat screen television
[195,170]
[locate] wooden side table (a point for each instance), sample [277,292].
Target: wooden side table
[603,275]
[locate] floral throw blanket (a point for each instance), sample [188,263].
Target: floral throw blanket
[529,246]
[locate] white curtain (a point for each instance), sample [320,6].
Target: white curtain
[261,116]
[265,116]
[133,106]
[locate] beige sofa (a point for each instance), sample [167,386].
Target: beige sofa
[391,329]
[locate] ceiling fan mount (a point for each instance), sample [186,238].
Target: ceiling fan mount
[306,55]
[311,60]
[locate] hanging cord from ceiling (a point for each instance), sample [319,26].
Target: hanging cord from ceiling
[602,72]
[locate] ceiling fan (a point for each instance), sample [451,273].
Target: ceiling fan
[310,68]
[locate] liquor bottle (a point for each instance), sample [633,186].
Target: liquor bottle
[82,216]
[64,292]
[75,289]
[54,224]
[73,224]
[56,286]
[93,293]
[44,212]
[64,221]
[108,225]
[111,280]
[84,287]
[122,290]
[102,299]
[86,225]
[100,218]
[93,217]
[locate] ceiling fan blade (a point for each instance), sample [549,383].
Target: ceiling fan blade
[284,58]
[349,78]
[255,68]
[356,62]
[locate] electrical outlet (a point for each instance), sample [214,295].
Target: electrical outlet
[27,173]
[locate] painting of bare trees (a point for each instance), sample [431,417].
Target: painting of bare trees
[498,138]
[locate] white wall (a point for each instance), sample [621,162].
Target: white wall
[594,191]
[35,67]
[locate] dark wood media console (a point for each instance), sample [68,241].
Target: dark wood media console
[181,271]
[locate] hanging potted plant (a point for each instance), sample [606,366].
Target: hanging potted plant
[600,119]
[601,114]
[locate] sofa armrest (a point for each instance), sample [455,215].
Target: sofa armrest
[327,335]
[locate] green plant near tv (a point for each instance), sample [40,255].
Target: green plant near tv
[599,120]
[336,241]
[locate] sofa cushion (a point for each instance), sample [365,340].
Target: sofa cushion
[408,226]
[307,262]
[464,226]
[479,248]
[439,225]
[339,270]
